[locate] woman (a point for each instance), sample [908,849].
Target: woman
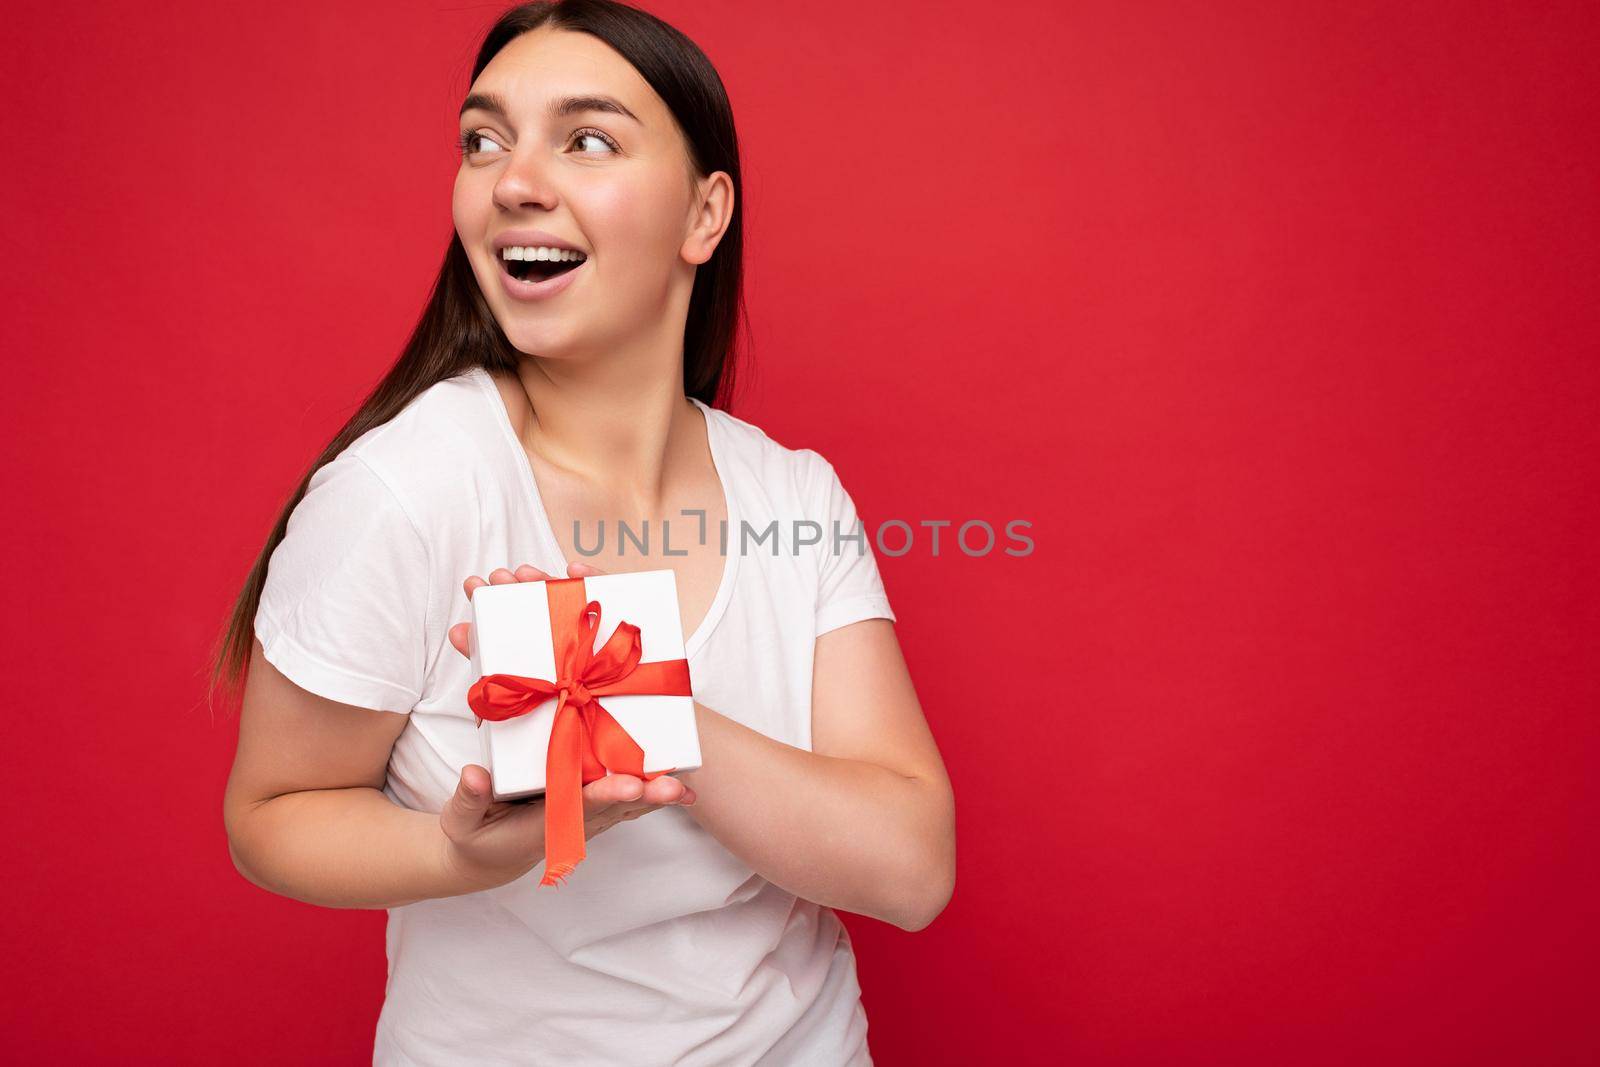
[545,390]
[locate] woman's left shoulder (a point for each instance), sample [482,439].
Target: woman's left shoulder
[798,470]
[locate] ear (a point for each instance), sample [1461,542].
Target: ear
[712,212]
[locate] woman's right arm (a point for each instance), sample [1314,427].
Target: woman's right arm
[306,816]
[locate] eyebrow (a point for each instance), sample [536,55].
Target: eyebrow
[495,104]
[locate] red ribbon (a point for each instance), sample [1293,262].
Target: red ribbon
[585,741]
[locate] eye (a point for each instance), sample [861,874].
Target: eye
[589,133]
[467,142]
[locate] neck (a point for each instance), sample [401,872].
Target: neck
[621,422]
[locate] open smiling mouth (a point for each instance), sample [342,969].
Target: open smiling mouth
[538,270]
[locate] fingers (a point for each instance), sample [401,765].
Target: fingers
[626,791]
[527,572]
[611,790]
[466,806]
[658,793]
[667,790]
[477,781]
[582,570]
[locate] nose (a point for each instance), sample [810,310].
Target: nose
[525,183]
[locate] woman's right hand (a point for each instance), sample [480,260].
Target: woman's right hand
[491,842]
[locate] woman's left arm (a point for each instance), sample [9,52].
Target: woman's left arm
[865,821]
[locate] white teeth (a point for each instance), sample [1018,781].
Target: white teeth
[542,252]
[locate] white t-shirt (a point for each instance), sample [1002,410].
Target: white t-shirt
[662,947]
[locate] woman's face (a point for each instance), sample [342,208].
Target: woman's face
[616,185]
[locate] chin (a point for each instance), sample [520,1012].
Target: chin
[550,344]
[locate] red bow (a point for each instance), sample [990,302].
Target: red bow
[585,741]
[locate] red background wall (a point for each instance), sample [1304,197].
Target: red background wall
[1277,321]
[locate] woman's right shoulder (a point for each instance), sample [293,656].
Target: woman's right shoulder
[434,455]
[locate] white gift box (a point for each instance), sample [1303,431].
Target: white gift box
[511,635]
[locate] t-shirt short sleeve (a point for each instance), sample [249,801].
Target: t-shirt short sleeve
[849,587]
[344,610]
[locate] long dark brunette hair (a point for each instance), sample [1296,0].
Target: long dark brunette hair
[457,331]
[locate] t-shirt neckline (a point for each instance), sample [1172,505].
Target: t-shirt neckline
[730,566]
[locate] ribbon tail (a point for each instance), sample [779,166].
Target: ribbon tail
[563,796]
[593,768]
[616,748]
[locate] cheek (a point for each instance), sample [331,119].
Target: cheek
[470,209]
[466,214]
[643,216]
